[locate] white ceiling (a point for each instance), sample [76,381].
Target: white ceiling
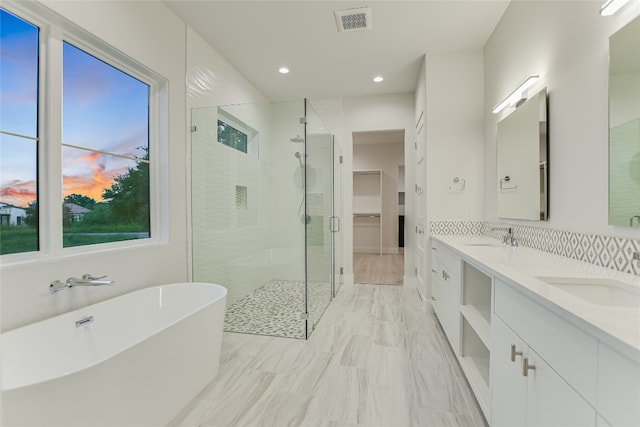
[258,37]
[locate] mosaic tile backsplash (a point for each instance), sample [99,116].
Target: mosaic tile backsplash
[610,252]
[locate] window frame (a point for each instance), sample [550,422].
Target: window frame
[54,31]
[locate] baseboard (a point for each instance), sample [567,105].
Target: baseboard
[348,279]
[370,250]
[409,281]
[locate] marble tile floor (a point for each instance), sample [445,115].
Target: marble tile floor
[276,309]
[375,359]
[375,269]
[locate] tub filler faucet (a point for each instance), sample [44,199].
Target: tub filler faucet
[86,280]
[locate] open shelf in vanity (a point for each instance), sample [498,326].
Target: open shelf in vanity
[475,311]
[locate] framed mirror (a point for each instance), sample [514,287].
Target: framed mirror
[624,126]
[523,161]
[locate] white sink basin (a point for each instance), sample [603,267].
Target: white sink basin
[490,244]
[597,290]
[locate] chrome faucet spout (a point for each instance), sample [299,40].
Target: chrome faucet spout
[87,280]
[509,238]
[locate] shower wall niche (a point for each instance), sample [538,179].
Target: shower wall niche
[262,213]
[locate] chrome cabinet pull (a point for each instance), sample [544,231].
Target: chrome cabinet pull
[445,276]
[526,367]
[514,353]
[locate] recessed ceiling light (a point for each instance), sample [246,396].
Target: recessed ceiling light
[283,70]
[378,79]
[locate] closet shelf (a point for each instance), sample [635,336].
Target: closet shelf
[367,210]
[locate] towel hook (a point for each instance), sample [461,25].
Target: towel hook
[506,179]
[460,184]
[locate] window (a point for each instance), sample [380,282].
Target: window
[104,134]
[18,135]
[231,137]
[105,152]
[238,135]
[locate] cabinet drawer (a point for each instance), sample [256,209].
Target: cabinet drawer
[571,352]
[618,388]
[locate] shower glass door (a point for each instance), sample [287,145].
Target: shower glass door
[247,213]
[319,212]
[263,214]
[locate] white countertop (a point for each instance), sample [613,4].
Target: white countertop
[619,327]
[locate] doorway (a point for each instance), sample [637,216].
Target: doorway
[378,207]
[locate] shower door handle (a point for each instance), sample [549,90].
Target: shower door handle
[335,224]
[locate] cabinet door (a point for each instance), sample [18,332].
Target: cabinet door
[551,401]
[618,387]
[450,303]
[508,385]
[436,294]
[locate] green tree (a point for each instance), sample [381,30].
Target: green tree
[80,200]
[32,214]
[100,215]
[128,196]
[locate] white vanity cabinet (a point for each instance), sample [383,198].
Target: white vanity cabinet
[618,388]
[530,355]
[526,391]
[445,274]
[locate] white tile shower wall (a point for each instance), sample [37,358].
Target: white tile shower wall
[230,246]
[606,251]
[225,244]
[286,186]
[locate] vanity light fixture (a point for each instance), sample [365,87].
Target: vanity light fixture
[283,70]
[378,79]
[611,7]
[517,95]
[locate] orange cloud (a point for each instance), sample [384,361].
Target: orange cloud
[91,185]
[18,193]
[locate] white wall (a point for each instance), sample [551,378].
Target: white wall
[566,42]
[450,91]
[376,113]
[385,157]
[455,140]
[151,34]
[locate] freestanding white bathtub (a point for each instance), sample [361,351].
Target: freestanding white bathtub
[135,360]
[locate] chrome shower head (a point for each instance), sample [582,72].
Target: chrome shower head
[298,139]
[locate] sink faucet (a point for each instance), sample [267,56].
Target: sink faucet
[509,239]
[86,280]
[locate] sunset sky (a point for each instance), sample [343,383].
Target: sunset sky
[103,109]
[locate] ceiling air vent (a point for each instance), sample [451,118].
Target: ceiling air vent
[353,19]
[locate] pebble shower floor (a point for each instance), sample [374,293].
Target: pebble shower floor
[276,309]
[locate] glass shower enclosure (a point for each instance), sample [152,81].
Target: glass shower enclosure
[265,216]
